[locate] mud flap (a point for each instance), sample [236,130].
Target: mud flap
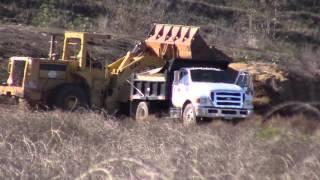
[175,113]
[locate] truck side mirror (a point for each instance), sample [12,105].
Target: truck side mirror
[176,77]
[246,89]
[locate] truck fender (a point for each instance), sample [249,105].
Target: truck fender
[83,77]
[185,104]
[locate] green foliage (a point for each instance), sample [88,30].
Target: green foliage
[52,13]
[269,133]
[46,13]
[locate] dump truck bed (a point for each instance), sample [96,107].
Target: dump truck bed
[159,77]
[148,87]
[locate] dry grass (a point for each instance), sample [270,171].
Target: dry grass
[56,145]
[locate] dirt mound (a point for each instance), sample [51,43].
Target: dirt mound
[268,81]
[34,42]
[22,41]
[275,84]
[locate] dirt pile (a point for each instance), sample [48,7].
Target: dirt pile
[268,79]
[35,42]
[275,84]
[22,41]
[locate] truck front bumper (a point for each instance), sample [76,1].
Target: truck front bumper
[21,93]
[213,112]
[12,91]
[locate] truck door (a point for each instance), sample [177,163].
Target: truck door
[179,88]
[244,80]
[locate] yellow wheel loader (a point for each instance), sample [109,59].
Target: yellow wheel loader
[76,79]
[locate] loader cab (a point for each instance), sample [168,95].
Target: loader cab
[74,49]
[77,51]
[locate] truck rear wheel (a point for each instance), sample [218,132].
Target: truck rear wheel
[70,98]
[189,115]
[142,111]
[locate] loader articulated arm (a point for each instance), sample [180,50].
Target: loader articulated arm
[133,63]
[165,42]
[168,42]
[121,70]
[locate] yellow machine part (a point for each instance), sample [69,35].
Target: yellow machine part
[165,42]
[182,42]
[121,70]
[172,40]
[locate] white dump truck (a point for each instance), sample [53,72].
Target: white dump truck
[192,90]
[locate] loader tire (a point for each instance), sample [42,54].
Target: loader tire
[142,111]
[71,98]
[189,115]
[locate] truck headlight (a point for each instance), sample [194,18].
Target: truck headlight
[248,103]
[203,100]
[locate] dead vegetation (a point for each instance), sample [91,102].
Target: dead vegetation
[56,145]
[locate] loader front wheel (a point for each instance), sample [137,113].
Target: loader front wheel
[142,111]
[71,98]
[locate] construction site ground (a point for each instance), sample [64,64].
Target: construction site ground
[274,84]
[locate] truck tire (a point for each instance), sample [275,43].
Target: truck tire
[142,111]
[189,115]
[71,98]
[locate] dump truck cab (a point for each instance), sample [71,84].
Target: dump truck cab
[39,80]
[212,92]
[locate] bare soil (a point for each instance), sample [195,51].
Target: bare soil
[35,42]
[274,84]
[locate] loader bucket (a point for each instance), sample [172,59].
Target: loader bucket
[183,42]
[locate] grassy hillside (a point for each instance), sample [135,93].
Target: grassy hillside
[280,27]
[285,32]
[267,26]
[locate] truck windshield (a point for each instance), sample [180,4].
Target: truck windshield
[212,76]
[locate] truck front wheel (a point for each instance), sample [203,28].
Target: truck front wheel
[189,115]
[142,111]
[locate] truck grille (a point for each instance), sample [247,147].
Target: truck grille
[227,99]
[18,72]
